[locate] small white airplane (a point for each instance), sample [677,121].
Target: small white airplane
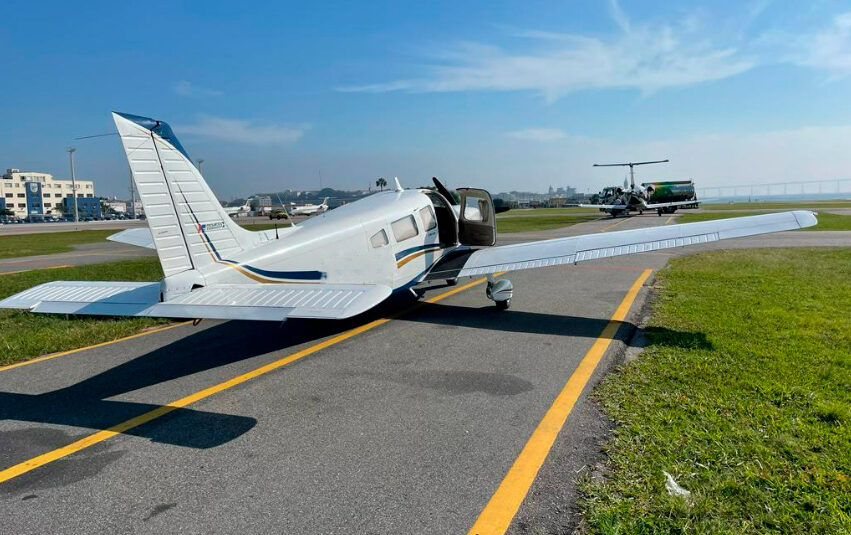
[311,209]
[336,265]
[234,211]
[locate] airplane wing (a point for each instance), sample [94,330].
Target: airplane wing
[273,302]
[667,204]
[603,206]
[470,263]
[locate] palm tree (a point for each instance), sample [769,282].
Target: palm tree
[381,183]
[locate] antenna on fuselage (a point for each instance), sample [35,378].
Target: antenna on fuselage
[284,208]
[398,185]
[631,166]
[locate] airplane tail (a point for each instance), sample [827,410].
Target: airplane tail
[190,229]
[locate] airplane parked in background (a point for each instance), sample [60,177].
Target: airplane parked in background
[617,201]
[335,265]
[234,211]
[311,209]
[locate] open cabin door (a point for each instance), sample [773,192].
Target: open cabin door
[476,221]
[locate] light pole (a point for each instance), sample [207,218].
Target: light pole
[71,151]
[200,163]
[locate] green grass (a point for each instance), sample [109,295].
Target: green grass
[792,205]
[265,226]
[48,242]
[826,221]
[24,335]
[506,225]
[18,245]
[743,395]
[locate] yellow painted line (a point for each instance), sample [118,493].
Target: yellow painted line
[100,436]
[503,505]
[670,218]
[35,269]
[613,225]
[77,350]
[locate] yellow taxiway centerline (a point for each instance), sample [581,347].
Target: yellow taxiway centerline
[503,505]
[100,436]
[671,218]
[101,344]
[613,225]
[33,269]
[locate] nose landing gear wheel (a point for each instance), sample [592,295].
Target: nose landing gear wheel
[503,305]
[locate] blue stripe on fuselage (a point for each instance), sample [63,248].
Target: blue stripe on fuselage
[402,254]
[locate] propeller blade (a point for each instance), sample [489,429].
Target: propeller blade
[443,191]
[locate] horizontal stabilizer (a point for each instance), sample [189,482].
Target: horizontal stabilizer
[140,237]
[272,302]
[606,244]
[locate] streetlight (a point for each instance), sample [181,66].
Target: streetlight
[200,162]
[71,151]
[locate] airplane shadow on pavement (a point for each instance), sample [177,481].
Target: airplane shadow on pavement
[517,321]
[87,404]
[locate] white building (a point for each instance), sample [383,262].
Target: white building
[32,193]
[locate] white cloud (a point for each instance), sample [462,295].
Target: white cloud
[829,49]
[187,89]
[643,56]
[243,131]
[538,134]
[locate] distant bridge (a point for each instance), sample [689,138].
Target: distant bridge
[776,189]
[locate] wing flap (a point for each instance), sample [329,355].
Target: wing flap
[603,245]
[271,302]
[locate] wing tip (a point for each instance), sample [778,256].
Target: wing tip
[805,218]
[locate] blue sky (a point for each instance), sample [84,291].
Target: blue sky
[502,95]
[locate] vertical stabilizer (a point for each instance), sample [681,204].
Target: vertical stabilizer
[190,228]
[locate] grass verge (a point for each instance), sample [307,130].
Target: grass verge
[743,395]
[506,225]
[826,221]
[24,335]
[265,226]
[48,242]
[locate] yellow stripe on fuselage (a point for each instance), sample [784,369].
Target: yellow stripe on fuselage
[242,270]
[406,259]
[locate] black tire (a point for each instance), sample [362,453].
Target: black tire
[503,305]
[451,282]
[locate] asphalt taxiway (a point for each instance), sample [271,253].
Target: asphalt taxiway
[420,417]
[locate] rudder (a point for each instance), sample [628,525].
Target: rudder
[190,228]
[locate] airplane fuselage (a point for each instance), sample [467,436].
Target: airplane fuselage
[346,245]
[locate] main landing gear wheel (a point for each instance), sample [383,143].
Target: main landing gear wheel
[500,292]
[451,282]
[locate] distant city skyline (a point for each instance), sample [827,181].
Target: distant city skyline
[501,95]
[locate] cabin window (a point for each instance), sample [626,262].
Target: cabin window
[476,209]
[379,239]
[429,221]
[404,228]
